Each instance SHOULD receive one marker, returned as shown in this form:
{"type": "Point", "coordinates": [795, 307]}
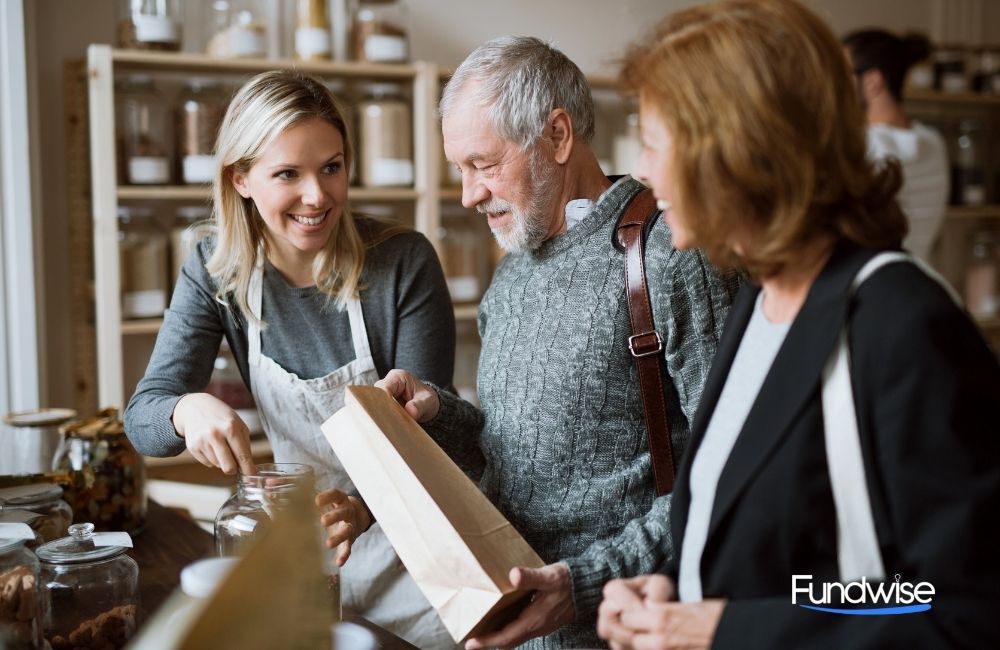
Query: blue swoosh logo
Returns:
{"type": "Point", "coordinates": [877, 611]}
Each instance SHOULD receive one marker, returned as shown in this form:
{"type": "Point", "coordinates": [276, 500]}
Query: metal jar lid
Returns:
{"type": "Point", "coordinates": [78, 548]}
{"type": "Point", "coordinates": [49, 417]}
{"type": "Point", "coordinates": [20, 496]}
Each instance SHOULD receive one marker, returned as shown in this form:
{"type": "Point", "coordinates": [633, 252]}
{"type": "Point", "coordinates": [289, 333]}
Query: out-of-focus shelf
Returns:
{"type": "Point", "coordinates": [174, 62]}
{"type": "Point", "coordinates": [204, 193]}
{"type": "Point", "coordinates": [466, 311]}
{"type": "Point", "coordinates": [968, 99]}
{"type": "Point", "coordinates": [141, 326]}
{"type": "Point", "coordinates": [451, 193]}
{"type": "Point", "coordinates": [974, 212]}
{"type": "Point", "coordinates": [989, 325]}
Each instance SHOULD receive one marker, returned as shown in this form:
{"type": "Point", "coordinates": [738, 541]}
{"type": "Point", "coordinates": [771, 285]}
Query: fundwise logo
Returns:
{"type": "Point", "coordinates": [873, 598]}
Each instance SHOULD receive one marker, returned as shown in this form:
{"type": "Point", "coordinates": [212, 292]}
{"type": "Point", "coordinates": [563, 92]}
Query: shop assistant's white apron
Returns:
{"type": "Point", "coordinates": [374, 583]}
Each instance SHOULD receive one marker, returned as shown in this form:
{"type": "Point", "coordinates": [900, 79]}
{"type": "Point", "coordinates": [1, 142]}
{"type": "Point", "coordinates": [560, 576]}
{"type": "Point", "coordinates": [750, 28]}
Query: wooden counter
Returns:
{"type": "Point", "coordinates": [171, 541]}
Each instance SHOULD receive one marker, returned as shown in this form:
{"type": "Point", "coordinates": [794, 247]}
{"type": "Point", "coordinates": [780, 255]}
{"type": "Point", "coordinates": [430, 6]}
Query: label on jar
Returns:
{"type": "Point", "coordinates": [17, 516]}
{"type": "Point", "coordinates": [391, 171]}
{"type": "Point", "coordinates": [144, 304]}
{"type": "Point", "coordinates": [463, 287]}
{"type": "Point", "coordinates": [954, 82]}
{"type": "Point", "coordinates": [312, 42]}
{"type": "Point", "coordinates": [112, 539]}
{"type": "Point", "coordinates": [241, 524]}
{"type": "Point", "coordinates": [155, 29]}
{"type": "Point", "coordinates": [148, 169]}
{"type": "Point", "coordinates": [16, 531]}
{"type": "Point", "coordinates": [247, 43]}
{"type": "Point", "coordinates": [381, 47]}
{"type": "Point", "coordinates": [199, 168]}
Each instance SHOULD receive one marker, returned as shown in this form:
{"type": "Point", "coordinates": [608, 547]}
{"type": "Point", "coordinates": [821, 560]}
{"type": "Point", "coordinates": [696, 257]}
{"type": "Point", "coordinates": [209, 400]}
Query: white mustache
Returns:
{"type": "Point", "coordinates": [494, 206]}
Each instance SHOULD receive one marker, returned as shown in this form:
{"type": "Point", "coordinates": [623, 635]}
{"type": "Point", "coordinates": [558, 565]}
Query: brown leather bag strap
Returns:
{"type": "Point", "coordinates": [646, 344]}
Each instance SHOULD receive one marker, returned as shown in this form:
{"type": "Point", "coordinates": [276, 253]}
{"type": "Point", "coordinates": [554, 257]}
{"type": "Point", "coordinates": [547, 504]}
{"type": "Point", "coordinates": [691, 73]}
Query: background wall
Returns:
{"type": "Point", "coordinates": [594, 33]}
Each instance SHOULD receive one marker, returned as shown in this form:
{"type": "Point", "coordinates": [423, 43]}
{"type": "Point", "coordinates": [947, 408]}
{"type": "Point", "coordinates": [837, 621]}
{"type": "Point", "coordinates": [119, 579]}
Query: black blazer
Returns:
{"type": "Point", "coordinates": [927, 394]}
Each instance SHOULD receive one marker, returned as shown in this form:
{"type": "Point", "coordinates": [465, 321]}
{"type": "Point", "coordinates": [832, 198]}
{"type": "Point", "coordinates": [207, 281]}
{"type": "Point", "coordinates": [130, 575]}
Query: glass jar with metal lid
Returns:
{"type": "Point", "coordinates": [90, 589]}
{"type": "Point", "coordinates": [40, 505]}
{"type": "Point", "coordinates": [20, 597]}
{"type": "Point", "coordinates": [32, 444]}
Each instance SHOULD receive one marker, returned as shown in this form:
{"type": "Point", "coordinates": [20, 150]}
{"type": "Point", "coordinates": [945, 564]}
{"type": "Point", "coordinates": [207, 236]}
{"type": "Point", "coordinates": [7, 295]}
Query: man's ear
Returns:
{"type": "Point", "coordinates": [239, 181]}
{"type": "Point", "coordinates": [872, 83]}
{"type": "Point", "coordinates": [559, 131]}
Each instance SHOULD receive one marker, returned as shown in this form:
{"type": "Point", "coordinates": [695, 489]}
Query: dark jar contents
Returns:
{"type": "Point", "coordinates": [20, 598]}
{"type": "Point", "coordinates": [107, 475]}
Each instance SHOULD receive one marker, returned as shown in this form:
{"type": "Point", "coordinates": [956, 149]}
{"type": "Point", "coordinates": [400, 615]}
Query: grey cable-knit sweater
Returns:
{"type": "Point", "coordinates": [560, 444]}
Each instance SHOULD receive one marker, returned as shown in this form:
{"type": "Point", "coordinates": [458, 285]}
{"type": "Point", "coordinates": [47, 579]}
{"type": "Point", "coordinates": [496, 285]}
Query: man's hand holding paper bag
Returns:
{"type": "Point", "coordinates": [474, 568]}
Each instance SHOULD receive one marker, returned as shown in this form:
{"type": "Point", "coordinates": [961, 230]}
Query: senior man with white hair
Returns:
{"type": "Point", "coordinates": [560, 443]}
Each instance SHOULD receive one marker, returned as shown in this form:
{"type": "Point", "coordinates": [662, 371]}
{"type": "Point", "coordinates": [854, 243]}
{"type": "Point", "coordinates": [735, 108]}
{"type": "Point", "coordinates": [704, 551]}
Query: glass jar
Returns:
{"type": "Point", "coordinates": [21, 609]}
{"type": "Point", "coordinates": [31, 440]}
{"type": "Point", "coordinates": [949, 70]}
{"type": "Point", "coordinates": [40, 505]}
{"type": "Point", "coordinates": [386, 143]}
{"type": "Point", "coordinates": [108, 476]}
{"type": "Point", "coordinates": [968, 174]}
{"type": "Point", "coordinates": [239, 29]}
{"type": "Point", "coordinates": [184, 236]}
{"type": "Point", "coordinates": [142, 251]}
{"type": "Point", "coordinates": [90, 590]}
{"type": "Point", "coordinates": [144, 126]}
{"type": "Point", "coordinates": [149, 25]}
{"type": "Point", "coordinates": [379, 33]}
{"type": "Point", "coordinates": [312, 31]}
{"type": "Point", "coordinates": [982, 294]}
{"type": "Point", "coordinates": [200, 109]}
{"type": "Point", "coordinates": [987, 77]}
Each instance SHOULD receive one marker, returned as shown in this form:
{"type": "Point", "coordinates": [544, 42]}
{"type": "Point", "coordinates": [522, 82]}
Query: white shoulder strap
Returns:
{"type": "Point", "coordinates": [858, 552]}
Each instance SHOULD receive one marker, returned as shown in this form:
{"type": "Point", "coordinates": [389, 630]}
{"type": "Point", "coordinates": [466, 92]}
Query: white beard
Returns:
{"type": "Point", "coordinates": [530, 225]}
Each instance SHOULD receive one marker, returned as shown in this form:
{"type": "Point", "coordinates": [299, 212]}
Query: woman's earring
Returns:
{"type": "Point", "coordinates": [663, 205]}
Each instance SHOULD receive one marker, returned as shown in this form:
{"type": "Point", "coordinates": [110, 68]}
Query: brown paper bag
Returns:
{"type": "Point", "coordinates": [453, 541]}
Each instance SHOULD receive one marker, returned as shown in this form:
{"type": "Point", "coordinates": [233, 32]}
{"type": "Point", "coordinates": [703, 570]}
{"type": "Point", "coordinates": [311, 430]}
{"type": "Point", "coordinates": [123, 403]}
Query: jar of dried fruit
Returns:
{"type": "Point", "coordinates": [90, 589]}
{"type": "Point", "coordinates": [20, 597]}
{"type": "Point", "coordinates": [108, 477]}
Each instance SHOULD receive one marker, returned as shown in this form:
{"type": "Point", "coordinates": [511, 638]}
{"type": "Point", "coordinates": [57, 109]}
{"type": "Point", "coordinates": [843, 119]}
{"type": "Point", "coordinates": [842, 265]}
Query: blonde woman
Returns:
{"type": "Point", "coordinates": [831, 367]}
{"type": "Point", "coordinates": [310, 299]}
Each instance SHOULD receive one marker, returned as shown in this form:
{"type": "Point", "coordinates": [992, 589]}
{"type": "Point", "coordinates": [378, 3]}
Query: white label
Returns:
{"type": "Point", "coordinates": [312, 41]}
{"type": "Point", "coordinates": [16, 516]}
{"type": "Point", "coordinates": [16, 531]}
{"type": "Point", "coordinates": [199, 169]}
{"type": "Point", "coordinates": [954, 82]}
{"type": "Point", "coordinates": [463, 287]}
{"type": "Point", "coordinates": [144, 304]}
{"type": "Point", "coordinates": [112, 539]}
{"type": "Point", "coordinates": [247, 43]}
{"type": "Point", "coordinates": [155, 29]}
{"type": "Point", "coordinates": [148, 169]}
{"type": "Point", "coordinates": [973, 195]}
{"type": "Point", "coordinates": [391, 171]}
{"type": "Point", "coordinates": [241, 524]}
{"type": "Point", "coordinates": [379, 47]}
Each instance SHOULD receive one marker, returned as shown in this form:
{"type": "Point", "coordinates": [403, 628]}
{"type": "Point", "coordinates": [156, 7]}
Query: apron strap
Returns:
{"type": "Point", "coordinates": [359, 333]}
{"type": "Point", "coordinates": [254, 300]}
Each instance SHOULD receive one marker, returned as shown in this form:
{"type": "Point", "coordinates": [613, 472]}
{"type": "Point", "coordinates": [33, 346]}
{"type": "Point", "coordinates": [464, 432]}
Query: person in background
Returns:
{"type": "Point", "coordinates": [309, 299]}
{"type": "Point", "coordinates": [775, 178]}
{"type": "Point", "coordinates": [560, 445]}
{"type": "Point", "coordinates": [881, 61]}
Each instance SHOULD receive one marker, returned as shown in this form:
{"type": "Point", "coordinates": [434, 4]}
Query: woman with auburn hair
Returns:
{"type": "Point", "coordinates": [849, 429]}
{"type": "Point", "coordinates": [309, 299]}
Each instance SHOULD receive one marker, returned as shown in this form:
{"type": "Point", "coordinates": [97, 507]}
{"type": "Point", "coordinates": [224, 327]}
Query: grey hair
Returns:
{"type": "Point", "coordinates": [521, 80]}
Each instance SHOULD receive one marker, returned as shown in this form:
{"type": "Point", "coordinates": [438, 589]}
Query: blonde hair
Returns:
{"type": "Point", "coordinates": [263, 108]}
{"type": "Point", "coordinates": [768, 132]}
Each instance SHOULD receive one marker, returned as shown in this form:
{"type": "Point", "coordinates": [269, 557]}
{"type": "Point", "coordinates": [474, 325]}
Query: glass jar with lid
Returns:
{"type": "Point", "coordinates": [90, 589]}
{"type": "Point", "coordinates": [40, 505]}
{"type": "Point", "coordinates": [144, 127]}
{"type": "Point", "coordinates": [968, 172]}
{"type": "Point", "coordinates": [950, 70]}
{"type": "Point", "coordinates": [312, 31]}
{"type": "Point", "coordinates": [21, 608]}
{"type": "Point", "coordinates": [184, 236]}
{"type": "Point", "coordinates": [982, 290]}
{"type": "Point", "coordinates": [107, 475]}
{"type": "Point", "coordinates": [200, 109]}
{"type": "Point", "coordinates": [380, 31]}
{"type": "Point", "coordinates": [239, 29]}
{"type": "Point", "coordinates": [149, 25]}
{"type": "Point", "coordinates": [32, 442]}
{"type": "Point", "coordinates": [144, 271]}
{"type": "Point", "coordinates": [385, 134]}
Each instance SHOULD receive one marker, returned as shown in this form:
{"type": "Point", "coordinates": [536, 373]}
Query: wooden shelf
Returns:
{"type": "Point", "coordinates": [204, 193]}
{"type": "Point", "coordinates": [964, 212]}
{"type": "Point", "coordinates": [968, 99]}
{"type": "Point", "coordinates": [178, 62]}
{"type": "Point", "coordinates": [141, 326]}
{"type": "Point", "coordinates": [466, 311]}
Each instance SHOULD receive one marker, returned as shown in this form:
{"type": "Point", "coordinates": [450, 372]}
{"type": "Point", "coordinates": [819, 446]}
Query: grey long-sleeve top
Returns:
{"type": "Point", "coordinates": [404, 298]}
{"type": "Point", "coordinates": [560, 444]}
